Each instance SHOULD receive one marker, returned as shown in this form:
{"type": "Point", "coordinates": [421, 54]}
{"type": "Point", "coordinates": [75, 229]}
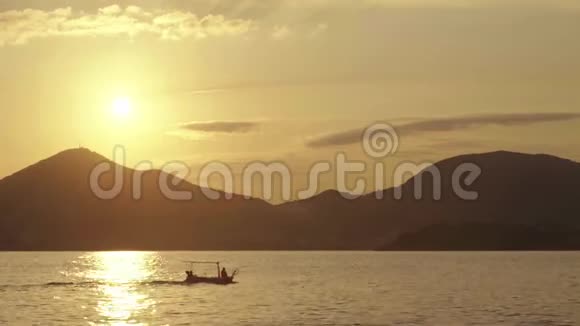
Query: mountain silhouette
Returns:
{"type": "Point", "coordinates": [50, 206]}
{"type": "Point", "coordinates": [540, 191]}
{"type": "Point", "coordinates": [481, 236]}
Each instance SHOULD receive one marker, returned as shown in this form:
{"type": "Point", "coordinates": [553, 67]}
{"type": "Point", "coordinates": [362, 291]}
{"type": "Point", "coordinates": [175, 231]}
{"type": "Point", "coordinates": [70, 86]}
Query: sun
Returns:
{"type": "Point", "coordinates": [122, 107]}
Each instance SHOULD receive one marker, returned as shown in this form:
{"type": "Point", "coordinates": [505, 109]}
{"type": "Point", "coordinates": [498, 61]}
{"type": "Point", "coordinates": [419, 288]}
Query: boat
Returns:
{"type": "Point", "coordinates": [222, 277]}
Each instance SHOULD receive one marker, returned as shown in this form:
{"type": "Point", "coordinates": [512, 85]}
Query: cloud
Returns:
{"type": "Point", "coordinates": [281, 32]}
{"type": "Point", "coordinates": [111, 10]}
{"type": "Point", "coordinates": [21, 26]}
{"type": "Point", "coordinates": [319, 29]}
{"type": "Point", "coordinates": [229, 127]}
{"type": "Point", "coordinates": [445, 125]}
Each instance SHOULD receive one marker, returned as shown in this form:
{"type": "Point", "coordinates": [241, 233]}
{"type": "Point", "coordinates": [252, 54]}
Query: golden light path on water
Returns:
{"type": "Point", "coordinates": [119, 275]}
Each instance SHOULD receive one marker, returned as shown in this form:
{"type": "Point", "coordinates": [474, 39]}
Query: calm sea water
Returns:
{"type": "Point", "coordinates": [292, 288]}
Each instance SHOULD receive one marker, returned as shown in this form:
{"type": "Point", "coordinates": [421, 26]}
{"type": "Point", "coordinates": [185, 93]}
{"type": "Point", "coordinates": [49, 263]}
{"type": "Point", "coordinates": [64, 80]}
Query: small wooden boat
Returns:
{"type": "Point", "coordinates": [211, 280]}
{"type": "Point", "coordinates": [222, 277]}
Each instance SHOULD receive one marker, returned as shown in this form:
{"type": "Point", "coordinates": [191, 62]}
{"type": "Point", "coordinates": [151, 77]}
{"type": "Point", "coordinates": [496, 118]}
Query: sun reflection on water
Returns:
{"type": "Point", "coordinates": [121, 277]}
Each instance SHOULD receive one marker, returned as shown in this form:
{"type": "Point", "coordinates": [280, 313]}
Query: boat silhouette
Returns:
{"type": "Point", "coordinates": [222, 277]}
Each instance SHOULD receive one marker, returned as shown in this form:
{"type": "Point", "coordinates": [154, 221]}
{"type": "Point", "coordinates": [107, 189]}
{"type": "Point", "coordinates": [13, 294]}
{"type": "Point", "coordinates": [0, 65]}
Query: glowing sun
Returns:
{"type": "Point", "coordinates": [122, 107]}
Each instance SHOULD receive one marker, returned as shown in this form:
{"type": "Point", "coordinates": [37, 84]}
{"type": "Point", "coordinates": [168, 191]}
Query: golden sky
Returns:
{"type": "Point", "coordinates": [287, 80]}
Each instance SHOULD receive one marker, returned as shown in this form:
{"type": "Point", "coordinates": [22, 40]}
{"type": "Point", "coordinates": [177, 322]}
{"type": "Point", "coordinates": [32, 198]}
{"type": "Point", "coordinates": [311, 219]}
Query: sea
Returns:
{"type": "Point", "coordinates": [291, 288]}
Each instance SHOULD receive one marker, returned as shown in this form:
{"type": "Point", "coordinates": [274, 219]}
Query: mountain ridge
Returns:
{"type": "Point", "coordinates": [48, 206]}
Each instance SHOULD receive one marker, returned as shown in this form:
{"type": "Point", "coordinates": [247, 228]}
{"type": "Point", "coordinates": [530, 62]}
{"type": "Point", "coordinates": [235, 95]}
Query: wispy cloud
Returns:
{"type": "Point", "coordinates": [229, 127]}
{"type": "Point", "coordinates": [445, 125]}
{"type": "Point", "coordinates": [281, 32]}
{"type": "Point", "coordinates": [268, 84]}
{"type": "Point", "coordinates": [21, 26]}
{"type": "Point", "coordinates": [319, 29]}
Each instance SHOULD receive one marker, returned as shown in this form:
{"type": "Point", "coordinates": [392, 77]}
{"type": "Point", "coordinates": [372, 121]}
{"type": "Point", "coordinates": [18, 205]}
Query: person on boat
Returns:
{"type": "Point", "coordinates": [224, 273]}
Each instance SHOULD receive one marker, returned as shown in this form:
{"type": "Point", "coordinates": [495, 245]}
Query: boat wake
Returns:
{"type": "Point", "coordinates": [91, 284]}
{"type": "Point", "coordinates": [96, 283]}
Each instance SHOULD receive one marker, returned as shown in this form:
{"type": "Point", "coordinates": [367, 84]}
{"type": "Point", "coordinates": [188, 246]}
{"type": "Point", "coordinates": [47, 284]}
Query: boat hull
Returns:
{"type": "Point", "coordinates": [209, 280]}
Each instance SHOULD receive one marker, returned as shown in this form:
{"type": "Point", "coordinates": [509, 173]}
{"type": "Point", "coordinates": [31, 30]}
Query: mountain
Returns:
{"type": "Point", "coordinates": [481, 236]}
{"type": "Point", "coordinates": [50, 206]}
{"type": "Point", "coordinates": [540, 191]}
